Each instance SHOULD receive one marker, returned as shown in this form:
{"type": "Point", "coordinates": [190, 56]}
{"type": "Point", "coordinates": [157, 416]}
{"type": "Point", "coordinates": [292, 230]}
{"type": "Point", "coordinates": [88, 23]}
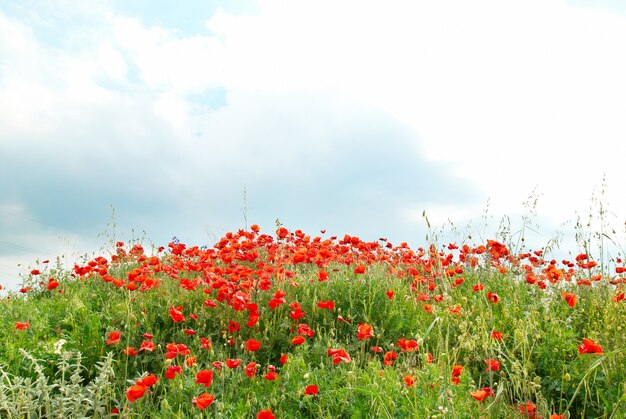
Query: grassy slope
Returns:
{"type": "Point", "coordinates": [539, 357]}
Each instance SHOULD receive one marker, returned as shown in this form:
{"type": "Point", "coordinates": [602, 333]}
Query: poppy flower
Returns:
{"type": "Point", "coordinates": [206, 343]}
{"type": "Point", "coordinates": [390, 294]}
{"type": "Point", "coordinates": [177, 314]}
{"type": "Point", "coordinates": [172, 370]}
{"type": "Point", "coordinates": [304, 329]}
{"type": "Point", "coordinates": [147, 345]}
{"type": "Point", "coordinates": [409, 380]}
{"type": "Point", "coordinates": [114, 337]}
{"type": "Point", "coordinates": [204, 377]}
{"type": "Point", "coordinates": [457, 370]}
{"type": "Point", "coordinates": [493, 297]}
{"type": "Point", "coordinates": [589, 347]}
{"type": "Point", "coordinates": [492, 365]}
{"type": "Point", "coordinates": [252, 345]}
{"type": "Point", "coordinates": [251, 369]}
{"type": "Point", "coordinates": [482, 394]}
{"type": "Point", "coordinates": [528, 409]}
{"type": "Point", "coordinates": [496, 335]}
{"type": "Point", "coordinates": [390, 357]}
{"type": "Point", "coordinates": [52, 284]}
{"type": "Point", "coordinates": [130, 351]}
{"type": "Point", "coordinates": [322, 276]}
{"type": "Point", "coordinates": [147, 381]}
{"type": "Point", "coordinates": [478, 287]}
{"type": "Point", "coordinates": [359, 270]}
{"type": "Point", "coordinates": [233, 363]}
{"type": "Point", "coordinates": [298, 340]}
{"type": "Point", "coordinates": [271, 375]}
{"type": "Point", "coordinates": [408, 345]}
{"type": "Point", "coordinates": [135, 392]}
{"type": "Point", "coordinates": [22, 325]}
{"type": "Point", "coordinates": [203, 401]}
{"type": "Point", "coordinates": [284, 358]}
{"type": "Point", "coordinates": [311, 390]}
{"type": "Point", "coordinates": [339, 355]}
{"type": "Point", "coordinates": [233, 327]}
{"type": "Point", "coordinates": [570, 298]}
{"type": "Point", "coordinates": [329, 305]}
{"type": "Point", "coordinates": [364, 331]}
{"type": "Point", "coordinates": [265, 414]}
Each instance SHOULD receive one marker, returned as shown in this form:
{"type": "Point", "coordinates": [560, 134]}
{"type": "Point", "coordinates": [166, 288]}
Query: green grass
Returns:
{"type": "Point", "coordinates": [61, 366]}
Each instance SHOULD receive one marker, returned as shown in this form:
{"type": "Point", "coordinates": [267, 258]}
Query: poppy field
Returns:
{"type": "Point", "coordinates": [286, 325]}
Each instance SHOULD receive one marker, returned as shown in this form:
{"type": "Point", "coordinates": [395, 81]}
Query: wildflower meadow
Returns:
{"type": "Point", "coordinates": [292, 325]}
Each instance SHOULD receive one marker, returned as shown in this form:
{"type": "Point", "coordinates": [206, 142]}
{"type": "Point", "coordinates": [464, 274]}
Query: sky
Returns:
{"type": "Point", "coordinates": [147, 120]}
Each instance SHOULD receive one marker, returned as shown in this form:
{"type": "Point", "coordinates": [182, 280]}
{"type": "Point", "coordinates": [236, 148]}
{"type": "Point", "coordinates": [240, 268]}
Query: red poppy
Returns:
{"type": "Point", "coordinates": [390, 357]}
{"type": "Point", "coordinates": [284, 358]}
{"type": "Point", "coordinates": [252, 345]}
{"type": "Point", "coordinates": [172, 370]}
{"type": "Point", "coordinates": [271, 375]}
{"type": "Point", "coordinates": [570, 298]}
{"type": "Point", "coordinates": [233, 363]}
{"type": "Point", "coordinates": [457, 370]}
{"type": "Point", "coordinates": [130, 351]}
{"type": "Point", "coordinates": [409, 380]}
{"type": "Point", "coordinates": [147, 381]}
{"type": "Point", "coordinates": [493, 297]}
{"type": "Point", "coordinates": [492, 365]}
{"type": "Point", "coordinates": [390, 294]}
{"type": "Point", "coordinates": [359, 270]}
{"type": "Point", "coordinates": [364, 331]}
{"type": "Point", "coordinates": [339, 355]}
{"type": "Point", "coordinates": [322, 276]}
{"type": "Point", "coordinates": [114, 337]}
{"type": "Point", "coordinates": [528, 409]}
{"type": "Point", "coordinates": [22, 325]}
{"type": "Point", "coordinates": [52, 284]}
{"type": "Point", "coordinates": [177, 314]}
{"type": "Point", "coordinates": [478, 287]}
{"type": "Point", "coordinates": [251, 369]}
{"type": "Point", "coordinates": [496, 335]}
{"type": "Point", "coordinates": [298, 340]}
{"type": "Point", "coordinates": [265, 414]}
{"type": "Point", "coordinates": [147, 345]}
{"type": "Point", "coordinates": [205, 343]}
{"type": "Point", "coordinates": [408, 345]}
{"type": "Point", "coordinates": [482, 394]}
{"type": "Point", "coordinates": [135, 392]}
{"type": "Point", "coordinates": [311, 390]}
{"type": "Point", "coordinates": [589, 347]}
{"type": "Point", "coordinates": [203, 401]}
{"type": "Point", "coordinates": [233, 327]}
{"type": "Point", "coordinates": [204, 377]}
{"type": "Point", "coordinates": [329, 305]}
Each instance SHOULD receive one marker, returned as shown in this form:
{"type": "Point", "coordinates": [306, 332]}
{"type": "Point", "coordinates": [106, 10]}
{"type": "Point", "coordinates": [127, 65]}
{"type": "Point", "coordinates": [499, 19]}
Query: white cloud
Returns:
{"type": "Point", "coordinates": [515, 94]}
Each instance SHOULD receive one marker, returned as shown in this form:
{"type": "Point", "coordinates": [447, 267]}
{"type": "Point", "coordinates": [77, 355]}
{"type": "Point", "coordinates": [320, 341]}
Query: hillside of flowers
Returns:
{"type": "Point", "coordinates": [286, 325]}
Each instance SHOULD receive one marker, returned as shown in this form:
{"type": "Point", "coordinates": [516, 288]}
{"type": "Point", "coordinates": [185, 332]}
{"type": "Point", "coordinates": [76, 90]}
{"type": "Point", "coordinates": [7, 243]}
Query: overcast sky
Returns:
{"type": "Point", "coordinates": [121, 117]}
